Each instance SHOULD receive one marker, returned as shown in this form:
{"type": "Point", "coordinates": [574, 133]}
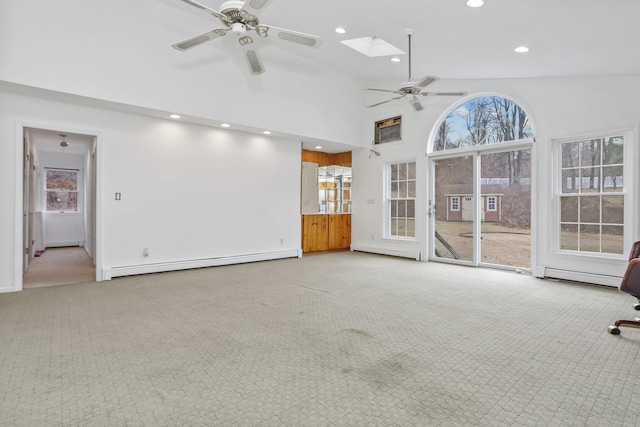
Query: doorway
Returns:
{"type": "Point", "coordinates": [59, 207]}
{"type": "Point", "coordinates": [480, 208]}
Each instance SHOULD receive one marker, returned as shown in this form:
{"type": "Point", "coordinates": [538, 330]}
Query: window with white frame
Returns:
{"type": "Point", "coordinates": [61, 188]}
{"type": "Point", "coordinates": [481, 121]}
{"type": "Point", "coordinates": [402, 199]}
{"type": "Point", "coordinates": [592, 195]}
{"type": "Point", "coordinates": [492, 203]}
{"type": "Point", "coordinates": [455, 203]}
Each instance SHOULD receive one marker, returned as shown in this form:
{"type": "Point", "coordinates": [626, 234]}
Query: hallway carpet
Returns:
{"type": "Point", "coordinates": [60, 266]}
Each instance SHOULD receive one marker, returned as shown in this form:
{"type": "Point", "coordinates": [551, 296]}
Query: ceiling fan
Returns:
{"type": "Point", "coordinates": [240, 18]}
{"type": "Point", "coordinates": [410, 88]}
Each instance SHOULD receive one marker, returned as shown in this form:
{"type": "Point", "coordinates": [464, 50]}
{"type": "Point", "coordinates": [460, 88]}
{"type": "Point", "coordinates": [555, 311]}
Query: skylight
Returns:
{"type": "Point", "coordinates": [372, 46]}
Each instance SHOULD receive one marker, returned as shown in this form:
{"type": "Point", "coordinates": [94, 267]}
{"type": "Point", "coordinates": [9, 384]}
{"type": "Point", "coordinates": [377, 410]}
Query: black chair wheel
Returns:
{"type": "Point", "coordinates": [613, 330]}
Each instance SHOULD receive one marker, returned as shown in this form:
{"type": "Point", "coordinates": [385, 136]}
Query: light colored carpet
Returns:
{"type": "Point", "coordinates": [60, 266]}
{"type": "Point", "coordinates": [334, 339]}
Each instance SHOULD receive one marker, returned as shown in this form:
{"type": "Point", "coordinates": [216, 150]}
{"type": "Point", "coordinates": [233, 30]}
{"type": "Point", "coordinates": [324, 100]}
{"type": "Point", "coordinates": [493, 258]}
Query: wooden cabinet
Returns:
{"type": "Point", "coordinates": [315, 233]}
{"type": "Point", "coordinates": [325, 232]}
{"type": "Point", "coordinates": [339, 231]}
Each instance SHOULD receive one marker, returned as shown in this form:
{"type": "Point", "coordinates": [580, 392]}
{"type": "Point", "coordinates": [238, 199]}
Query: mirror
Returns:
{"type": "Point", "coordinates": [334, 189]}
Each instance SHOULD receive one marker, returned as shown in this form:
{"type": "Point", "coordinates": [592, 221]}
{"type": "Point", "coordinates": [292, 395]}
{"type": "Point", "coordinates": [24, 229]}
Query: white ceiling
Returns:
{"type": "Point", "coordinates": [47, 140]}
{"type": "Point", "coordinates": [453, 41]}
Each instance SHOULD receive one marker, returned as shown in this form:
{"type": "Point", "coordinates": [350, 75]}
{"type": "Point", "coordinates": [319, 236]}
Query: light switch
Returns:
{"type": "Point", "coordinates": [117, 196]}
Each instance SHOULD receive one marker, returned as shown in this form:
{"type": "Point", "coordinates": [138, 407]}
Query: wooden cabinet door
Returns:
{"type": "Point", "coordinates": [315, 233]}
{"type": "Point", "coordinates": [339, 231]}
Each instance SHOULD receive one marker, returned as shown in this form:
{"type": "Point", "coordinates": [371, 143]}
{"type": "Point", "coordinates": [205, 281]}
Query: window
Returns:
{"type": "Point", "coordinates": [455, 203]}
{"type": "Point", "coordinates": [483, 121]}
{"type": "Point", "coordinates": [388, 130]}
{"type": "Point", "coordinates": [592, 197]}
{"type": "Point", "coordinates": [61, 190]}
{"type": "Point", "coordinates": [491, 203]}
{"type": "Point", "coordinates": [402, 199]}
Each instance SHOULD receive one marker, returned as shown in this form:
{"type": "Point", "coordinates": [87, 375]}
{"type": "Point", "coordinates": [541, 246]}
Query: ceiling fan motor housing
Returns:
{"type": "Point", "coordinates": [409, 88]}
{"type": "Point", "coordinates": [238, 28]}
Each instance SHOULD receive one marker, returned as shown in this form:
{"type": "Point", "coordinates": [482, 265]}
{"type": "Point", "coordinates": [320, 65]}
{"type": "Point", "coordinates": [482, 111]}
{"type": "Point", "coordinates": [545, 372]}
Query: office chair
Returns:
{"type": "Point", "coordinates": [635, 251]}
{"type": "Point", "coordinates": [630, 284]}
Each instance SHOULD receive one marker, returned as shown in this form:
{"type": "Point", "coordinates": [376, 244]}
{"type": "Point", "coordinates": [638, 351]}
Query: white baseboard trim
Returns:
{"type": "Point", "coordinates": [110, 272]}
{"type": "Point", "coordinates": [417, 255]}
{"type": "Point", "coordinates": [6, 289]}
{"type": "Point", "coordinates": [64, 244]}
{"type": "Point", "coordinates": [577, 276]}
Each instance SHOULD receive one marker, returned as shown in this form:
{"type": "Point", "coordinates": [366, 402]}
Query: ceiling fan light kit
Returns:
{"type": "Point", "coordinates": [241, 19]}
{"type": "Point", "coordinates": [411, 89]}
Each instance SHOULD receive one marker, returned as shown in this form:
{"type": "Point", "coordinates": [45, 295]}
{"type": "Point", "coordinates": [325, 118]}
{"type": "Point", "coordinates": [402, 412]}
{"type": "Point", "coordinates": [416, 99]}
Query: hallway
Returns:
{"type": "Point", "coordinates": [60, 266]}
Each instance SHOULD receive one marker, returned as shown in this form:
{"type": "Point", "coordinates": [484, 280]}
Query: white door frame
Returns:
{"type": "Point", "coordinates": [20, 127]}
{"type": "Point", "coordinates": [476, 153]}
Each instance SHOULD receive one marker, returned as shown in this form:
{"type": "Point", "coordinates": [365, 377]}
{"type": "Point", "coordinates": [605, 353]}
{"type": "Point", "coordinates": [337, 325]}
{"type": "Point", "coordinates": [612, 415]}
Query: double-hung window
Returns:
{"type": "Point", "coordinates": [61, 190]}
{"type": "Point", "coordinates": [591, 195]}
{"type": "Point", "coordinates": [401, 199]}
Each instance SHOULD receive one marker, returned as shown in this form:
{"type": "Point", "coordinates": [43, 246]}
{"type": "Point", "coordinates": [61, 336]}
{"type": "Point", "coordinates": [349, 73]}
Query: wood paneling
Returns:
{"type": "Point", "coordinates": [327, 159]}
{"type": "Point", "coordinates": [342, 159]}
{"type": "Point", "coordinates": [325, 232]}
{"type": "Point", "coordinates": [339, 231]}
{"type": "Point", "coordinates": [315, 233]}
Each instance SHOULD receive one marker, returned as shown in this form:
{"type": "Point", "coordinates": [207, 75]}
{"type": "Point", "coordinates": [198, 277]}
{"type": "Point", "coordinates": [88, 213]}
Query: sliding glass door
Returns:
{"type": "Point", "coordinates": [480, 209]}
{"type": "Point", "coordinates": [451, 208]}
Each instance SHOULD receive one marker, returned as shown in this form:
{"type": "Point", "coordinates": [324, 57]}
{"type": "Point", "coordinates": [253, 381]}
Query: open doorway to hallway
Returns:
{"type": "Point", "coordinates": [60, 266]}
{"type": "Point", "coordinates": [59, 199]}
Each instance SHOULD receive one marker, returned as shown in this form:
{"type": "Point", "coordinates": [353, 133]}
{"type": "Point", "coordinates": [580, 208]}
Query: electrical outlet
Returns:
{"type": "Point", "coordinates": [281, 241]}
{"type": "Point", "coordinates": [145, 252]}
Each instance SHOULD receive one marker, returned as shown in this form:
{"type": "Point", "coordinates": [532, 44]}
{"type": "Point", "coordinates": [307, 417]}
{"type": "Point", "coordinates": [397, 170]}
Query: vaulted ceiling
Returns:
{"type": "Point", "coordinates": [451, 41]}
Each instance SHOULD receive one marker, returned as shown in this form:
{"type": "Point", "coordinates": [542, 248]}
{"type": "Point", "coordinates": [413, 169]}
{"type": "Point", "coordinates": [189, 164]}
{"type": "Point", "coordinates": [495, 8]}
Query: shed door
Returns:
{"type": "Point", "coordinates": [467, 208]}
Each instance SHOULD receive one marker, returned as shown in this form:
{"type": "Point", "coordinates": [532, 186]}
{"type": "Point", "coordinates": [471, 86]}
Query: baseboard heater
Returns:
{"type": "Point", "coordinates": [131, 270]}
{"type": "Point", "coordinates": [577, 276]}
{"type": "Point", "coordinates": [417, 255]}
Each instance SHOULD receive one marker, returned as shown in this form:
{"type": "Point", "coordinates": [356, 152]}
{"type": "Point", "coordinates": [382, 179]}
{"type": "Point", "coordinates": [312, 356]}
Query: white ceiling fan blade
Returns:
{"type": "Point", "coordinates": [426, 81]}
{"type": "Point", "coordinates": [208, 9]}
{"type": "Point", "coordinates": [254, 7]}
{"type": "Point", "coordinates": [199, 39]}
{"type": "Point", "coordinates": [384, 102]}
{"type": "Point", "coordinates": [253, 60]}
{"type": "Point", "coordinates": [443, 93]}
{"type": "Point", "coordinates": [415, 103]}
{"type": "Point", "coordinates": [384, 90]}
{"type": "Point", "coordinates": [295, 37]}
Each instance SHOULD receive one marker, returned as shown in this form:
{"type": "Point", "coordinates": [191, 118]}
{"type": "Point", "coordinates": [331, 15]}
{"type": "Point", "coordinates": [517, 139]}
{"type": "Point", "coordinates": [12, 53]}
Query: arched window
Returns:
{"type": "Point", "coordinates": [483, 121]}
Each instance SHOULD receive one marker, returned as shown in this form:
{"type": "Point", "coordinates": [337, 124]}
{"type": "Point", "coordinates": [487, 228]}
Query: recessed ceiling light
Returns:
{"type": "Point", "coordinates": [521, 49]}
{"type": "Point", "coordinates": [267, 132]}
{"type": "Point", "coordinates": [318, 147]}
{"type": "Point", "coordinates": [475, 3]}
{"type": "Point", "coordinates": [394, 59]}
{"type": "Point", "coordinates": [225, 125]}
{"type": "Point", "coordinates": [340, 30]}
{"type": "Point", "coordinates": [175, 116]}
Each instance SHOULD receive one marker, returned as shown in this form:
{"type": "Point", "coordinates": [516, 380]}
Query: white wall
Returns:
{"type": "Point", "coordinates": [558, 107]}
{"type": "Point", "coordinates": [188, 192]}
